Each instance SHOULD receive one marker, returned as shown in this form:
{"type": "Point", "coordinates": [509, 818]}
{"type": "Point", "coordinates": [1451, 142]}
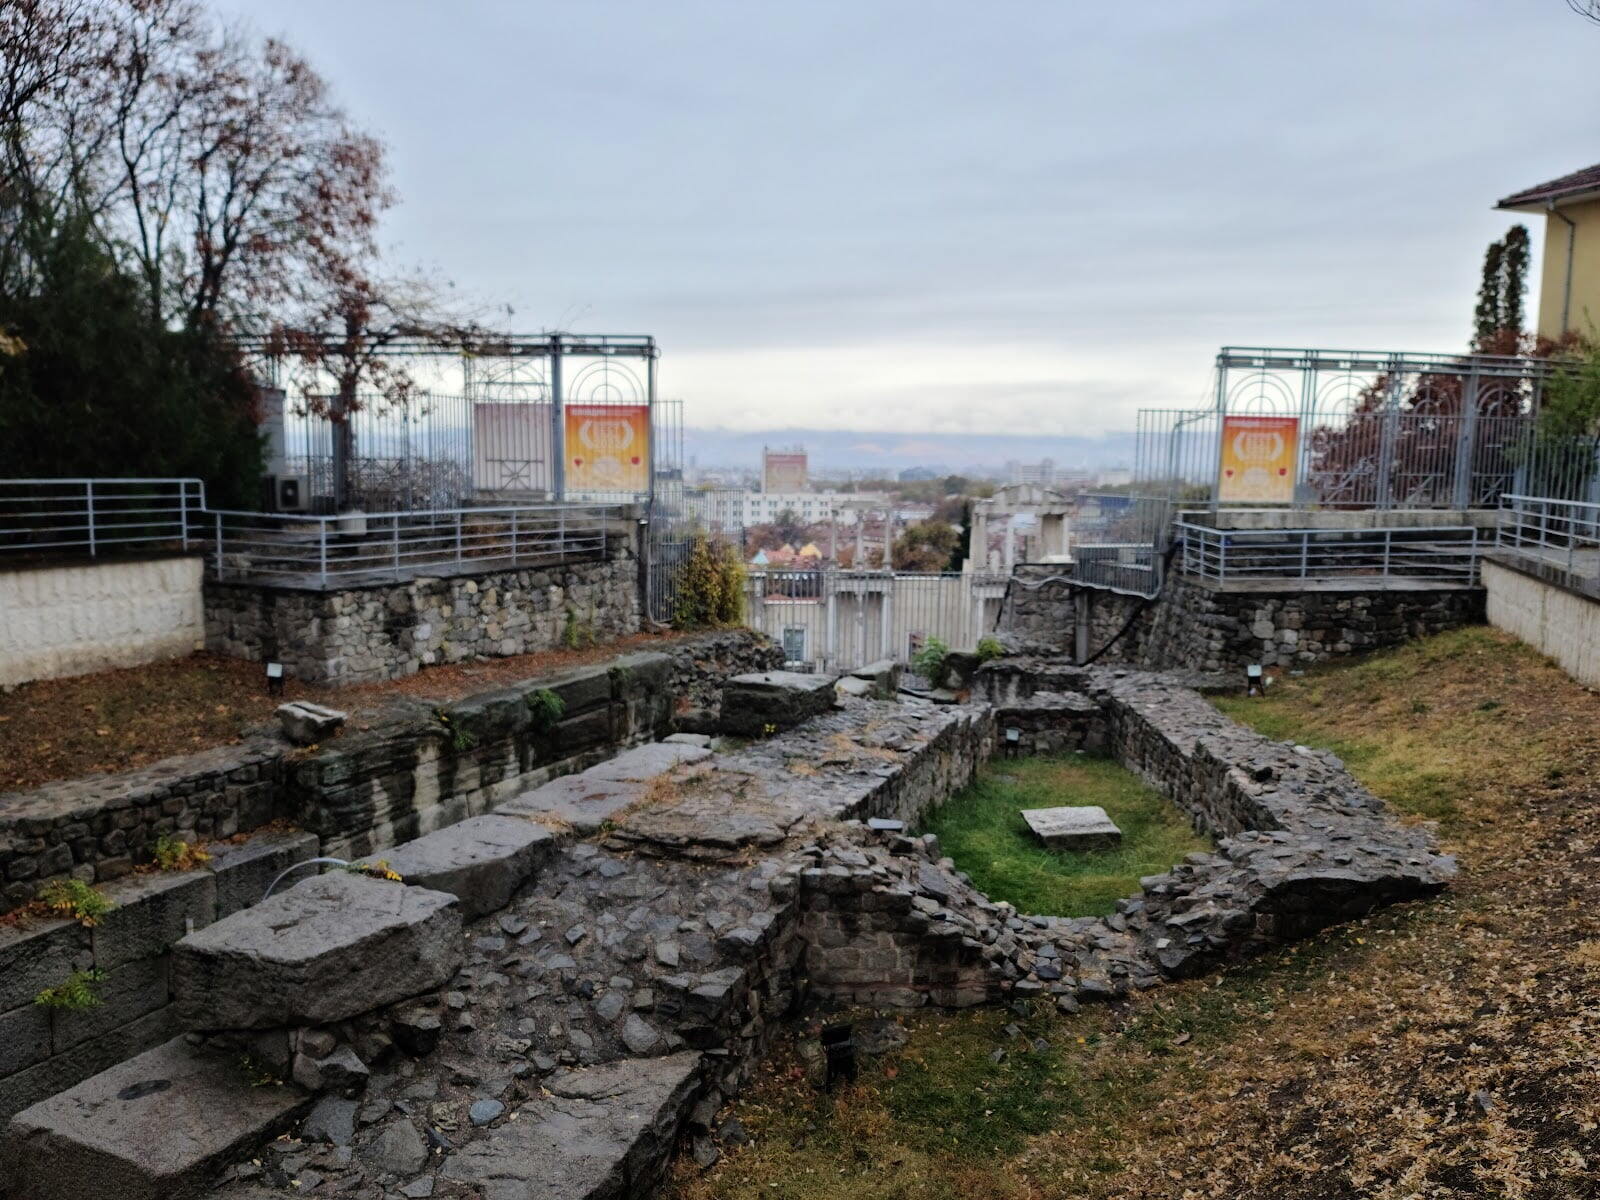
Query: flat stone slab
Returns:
{"type": "Point", "coordinates": [770, 701]}
{"type": "Point", "coordinates": [1085, 827]}
{"type": "Point", "coordinates": [643, 763]}
{"type": "Point", "coordinates": [325, 950]}
{"type": "Point", "coordinates": [574, 802]}
{"type": "Point", "coordinates": [155, 1127]}
{"type": "Point", "coordinates": [481, 861]}
{"type": "Point", "coordinates": [600, 1134]}
{"type": "Point", "coordinates": [305, 723]}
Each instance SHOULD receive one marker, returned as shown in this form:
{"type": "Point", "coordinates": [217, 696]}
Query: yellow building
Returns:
{"type": "Point", "coordinates": [1569, 280]}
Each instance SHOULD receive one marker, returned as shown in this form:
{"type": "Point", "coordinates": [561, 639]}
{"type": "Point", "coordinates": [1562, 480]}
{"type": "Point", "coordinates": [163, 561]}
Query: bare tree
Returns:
{"type": "Point", "coordinates": [1589, 9]}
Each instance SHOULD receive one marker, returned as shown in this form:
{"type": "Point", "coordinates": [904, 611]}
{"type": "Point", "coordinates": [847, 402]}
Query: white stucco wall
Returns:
{"type": "Point", "coordinates": [1555, 621]}
{"type": "Point", "coordinates": [57, 621]}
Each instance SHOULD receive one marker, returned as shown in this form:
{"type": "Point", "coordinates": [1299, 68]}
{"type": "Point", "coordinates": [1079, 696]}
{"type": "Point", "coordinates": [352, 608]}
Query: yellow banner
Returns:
{"type": "Point", "coordinates": [608, 448]}
{"type": "Point", "coordinates": [1258, 459]}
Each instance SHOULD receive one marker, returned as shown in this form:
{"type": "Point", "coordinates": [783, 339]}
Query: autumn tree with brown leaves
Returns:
{"type": "Point", "coordinates": [214, 168]}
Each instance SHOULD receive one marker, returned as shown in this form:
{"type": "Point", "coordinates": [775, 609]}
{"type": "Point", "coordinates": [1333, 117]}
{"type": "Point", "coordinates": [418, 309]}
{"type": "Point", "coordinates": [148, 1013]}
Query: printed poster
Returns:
{"type": "Point", "coordinates": [608, 448]}
{"type": "Point", "coordinates": [1258, 460]}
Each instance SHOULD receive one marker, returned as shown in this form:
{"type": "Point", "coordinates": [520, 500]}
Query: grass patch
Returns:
{"type": "Point", "coordinates": [1448, 729]}
{"type": "Point", "coordinates": [983, 830]}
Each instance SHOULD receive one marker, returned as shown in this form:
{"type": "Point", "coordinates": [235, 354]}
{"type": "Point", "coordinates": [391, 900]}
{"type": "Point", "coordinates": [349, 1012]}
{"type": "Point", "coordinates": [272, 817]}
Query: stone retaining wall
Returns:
{"type": "Point", "coordinates": [1191, 626]}
{"type": "Point", "coordinates": [389, 630]}
{"type": "Point", "coordinates": [415, 767]}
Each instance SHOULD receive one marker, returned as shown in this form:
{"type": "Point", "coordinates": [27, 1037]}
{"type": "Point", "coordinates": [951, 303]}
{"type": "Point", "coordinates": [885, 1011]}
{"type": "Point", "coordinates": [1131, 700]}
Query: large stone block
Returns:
{"type": "Point", "coordinates": [481, 861]}
{"type": "Point", "coordinates": [324, 950]}
{"type": "Point", "coordinates": [769, 701]}
{"type": "Point", "coordinates": [574, 801]}
{"type": "Point", "coordinates": [153, 1128]}
{"type": "Point", "coordinates": [643, 763]}
{"type": "Point", "coordinates": [600, 1134]}
{"type": "Point", "coordinates": [61, 1071]}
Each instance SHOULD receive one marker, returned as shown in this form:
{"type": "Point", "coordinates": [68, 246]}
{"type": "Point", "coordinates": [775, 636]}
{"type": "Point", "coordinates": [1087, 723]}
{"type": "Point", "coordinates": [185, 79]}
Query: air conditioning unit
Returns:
{"type": "Point", "coordinates": [291, 493]}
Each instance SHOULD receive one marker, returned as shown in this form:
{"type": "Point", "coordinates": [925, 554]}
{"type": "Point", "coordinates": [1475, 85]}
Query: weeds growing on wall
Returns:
{"type": "Point", "coordinates": [545, 707]}
{"type": "Point", "coordinates": [175, 854]}
{"type": "Point", "coordinates": [929, 661]}
{"type": "Point", "coordinates": [76, 899]}
{"type": "Point", "coordinates": [79, 991]}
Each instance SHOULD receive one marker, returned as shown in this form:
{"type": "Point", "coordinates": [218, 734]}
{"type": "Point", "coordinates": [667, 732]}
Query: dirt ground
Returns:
{"type": "Point", "coordinates": [117, 720]}
{"type": "Point", "coordinates": [1444, 1049]}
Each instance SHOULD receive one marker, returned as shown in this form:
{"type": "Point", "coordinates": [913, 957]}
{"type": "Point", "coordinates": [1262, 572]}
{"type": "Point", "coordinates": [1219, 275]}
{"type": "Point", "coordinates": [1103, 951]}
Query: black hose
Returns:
{"type": "Point", "coordinates": [1166, 563]}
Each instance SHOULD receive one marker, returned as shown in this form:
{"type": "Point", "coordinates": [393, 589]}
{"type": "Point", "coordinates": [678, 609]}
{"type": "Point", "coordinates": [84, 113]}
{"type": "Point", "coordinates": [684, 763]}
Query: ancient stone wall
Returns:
{"type": "Point", "coordinates": [407, 774]}
{"type": "Point", "coordinates": [389, 630]}
{"type": "Point", "coordinates": [1194, 627]}
{"type": "Point", "coordinates": [414, 767]}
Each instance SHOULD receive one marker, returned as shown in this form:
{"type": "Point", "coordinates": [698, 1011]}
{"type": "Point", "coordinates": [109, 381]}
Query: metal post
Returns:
{"type": "Point", "coordinates": [322, 550]}
{"type": "Point", "coordinates": [394, 538]}
{"type": "Point", "coordinates": [1387, 538]}
{"type": "Point", "coordinates": [558, 424]}
{"type": "Point", "coordinates": [458, 539]}
{"type": "Point", "coordinates": [1305, 552]}
{"type": "Point", "coordinates": [514, 513]}
{"type": "Point", "coordinates": [88, 500]}
{"type": "Point", "coordinates": [217, 545]}
{"type": "Point", "coordinates": [1391, 420]}
{"type": "Point", "coordinates": [183, 511]}
{"type": "Point", "coordinates": [1466, 441]}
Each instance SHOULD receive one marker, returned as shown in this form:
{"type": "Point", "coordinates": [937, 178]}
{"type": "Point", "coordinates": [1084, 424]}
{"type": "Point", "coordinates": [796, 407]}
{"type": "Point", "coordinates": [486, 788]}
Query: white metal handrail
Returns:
{"type": "Point", "coordinates": [54, 517]}
{"type": "Point", "coordinates": [1550, 529]}
{"type": "Point", "coordinates": [324, 550]}
{"type": "Point", "coordinates": [1442, 553]}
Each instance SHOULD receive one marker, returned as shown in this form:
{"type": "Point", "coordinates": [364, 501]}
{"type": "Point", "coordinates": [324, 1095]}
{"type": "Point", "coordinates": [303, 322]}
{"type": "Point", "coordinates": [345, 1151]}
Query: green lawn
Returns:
{"type": "Point", "coordinates": [982, 829]}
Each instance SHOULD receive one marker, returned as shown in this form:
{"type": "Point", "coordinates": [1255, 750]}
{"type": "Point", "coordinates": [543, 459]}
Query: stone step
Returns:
{"type": "Point", "coordinates": [481, 861]}
{"type": "Point", "coordinates": [155, 1127]}
{"type": "Point", "coordinates": [583, 802]}
{"type": "Point", "coordinates": [325, 950]}
{"type": "Point", "coordinates": [601, 1134]}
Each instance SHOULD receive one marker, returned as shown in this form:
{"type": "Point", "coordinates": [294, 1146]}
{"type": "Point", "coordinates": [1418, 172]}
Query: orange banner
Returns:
{"type": "Point", "coordinates": [1258, 457]}
{"type": "Point", "coordinates": [608, 448]}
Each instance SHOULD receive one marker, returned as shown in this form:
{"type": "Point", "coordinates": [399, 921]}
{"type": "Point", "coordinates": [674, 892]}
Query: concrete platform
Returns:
{"type": "Point", "coordinates": [481, 861]}
{"type": "Point", "coordinates": [325, 950]}
{"type": "Point", "coordinates": [1086, 827]}
{"type": "Point", "coordinates": [153, 1128]}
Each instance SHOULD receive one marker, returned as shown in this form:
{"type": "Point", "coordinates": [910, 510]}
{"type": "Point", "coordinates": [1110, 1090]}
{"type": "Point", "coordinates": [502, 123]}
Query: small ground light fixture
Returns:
{"type": "Point", "coordinates": [1013, 740]}
{"type": "Point", "coordinates": [274, 679]}
{"type": "Point", "coordinates": [1253, 682]}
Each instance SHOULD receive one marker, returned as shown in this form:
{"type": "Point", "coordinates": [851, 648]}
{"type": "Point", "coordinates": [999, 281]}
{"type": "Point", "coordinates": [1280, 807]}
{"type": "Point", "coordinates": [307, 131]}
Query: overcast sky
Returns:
{"type": "Point", "coordinates": [959, 218]}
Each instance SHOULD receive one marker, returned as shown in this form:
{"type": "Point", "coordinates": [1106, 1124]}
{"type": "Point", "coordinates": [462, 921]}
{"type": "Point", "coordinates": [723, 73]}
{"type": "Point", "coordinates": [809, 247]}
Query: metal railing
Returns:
{"type": "Point", "coordinates": [324, 551]}
{"type": "Point", "coordinates": [51, 518]}
{"type": "Point", "coordinates": [1562, 533]}
{"type": "Point", "coordinates": [1447, 554]}
{"type": "Point", "coordinates": [1118, 542]}
{"type": "Point", "coordinates": [840, 620]}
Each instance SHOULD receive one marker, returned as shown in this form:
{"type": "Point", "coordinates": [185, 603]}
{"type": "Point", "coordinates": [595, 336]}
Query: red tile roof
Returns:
{"type": "Point", "coordinates": [1578, 183]}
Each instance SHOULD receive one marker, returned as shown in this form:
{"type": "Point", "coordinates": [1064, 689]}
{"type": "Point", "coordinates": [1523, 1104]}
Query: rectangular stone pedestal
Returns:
{"type": "Point", "coordinates": [1085, 827]}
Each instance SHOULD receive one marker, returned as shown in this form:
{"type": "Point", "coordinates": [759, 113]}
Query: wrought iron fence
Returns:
{"type": "Point", "coordinates": [328, 551]}
{"type": "Point", "coordinates": [67, 517]}
{"type": "Point", "coordinates": [1375, 429]}
{"type": "Point", "coordinates": [1434, 555]}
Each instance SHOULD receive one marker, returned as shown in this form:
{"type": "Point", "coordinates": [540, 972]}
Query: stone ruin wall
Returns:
{"type": "Point", "coordinates": [880, 917]}
{"type": "Point", "coordinates": [362, 793]}
{"type": "Point", "coordinates": [390, 630]}
{"type": "Point", "coordinates": [1191, 627]}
